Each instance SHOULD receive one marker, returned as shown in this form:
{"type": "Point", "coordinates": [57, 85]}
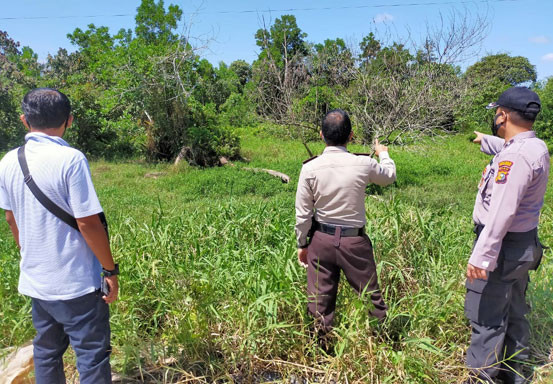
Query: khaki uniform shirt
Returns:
{"type": "Point", "coordinates": [332, 188]}
{"type": "Point", "coordinates": [510, 194]}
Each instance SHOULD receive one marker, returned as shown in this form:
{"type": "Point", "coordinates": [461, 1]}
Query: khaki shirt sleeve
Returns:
{"type": "Point", "coordinates": [383, 174]}
{"type": "Point", "coordinates": [510, 184]}
{"type": "Point", "coordinates": [491, 145]}
{"type": "Point", "coordinates": [304, 209]}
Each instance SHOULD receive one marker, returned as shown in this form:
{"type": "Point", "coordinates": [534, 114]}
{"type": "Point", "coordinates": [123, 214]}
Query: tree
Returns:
{"type": "Point", "coordinates": [397, 98]}
{"type": "Point", "coordinates": [509, 70]}
{"type": "Point", "coordinates": [370, 47]}
{"type": "Point", "coordinates": [283, 37]}
{"type": "Point", "coordinates": [281, 75]}
{"type": "Point", "coordinates": [17, 71]}
{"type": "Point", "coordinates": [154, 24]}
{"type": "Point", "coordinates": [487, 79]}
{"type": "Point", "coordinates": [243, 70]}
{"type": "Point", "coordinates": [332, 64]}
{"type": "Point", "coordinates": [404, 89]}
{"type": "Point", "coordinates": [544, 123]}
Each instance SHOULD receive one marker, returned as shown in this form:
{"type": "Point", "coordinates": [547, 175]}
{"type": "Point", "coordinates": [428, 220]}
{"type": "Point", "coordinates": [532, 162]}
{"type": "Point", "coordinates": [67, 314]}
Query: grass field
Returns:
{"type": "Point", "coordinates": [211, 290]}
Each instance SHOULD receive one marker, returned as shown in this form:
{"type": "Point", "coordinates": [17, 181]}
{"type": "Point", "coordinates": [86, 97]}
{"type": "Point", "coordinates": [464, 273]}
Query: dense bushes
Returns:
{"type": "Point", "coordinates": [544, 123]}
{"type": "Point", "coordinates": [148, 93]}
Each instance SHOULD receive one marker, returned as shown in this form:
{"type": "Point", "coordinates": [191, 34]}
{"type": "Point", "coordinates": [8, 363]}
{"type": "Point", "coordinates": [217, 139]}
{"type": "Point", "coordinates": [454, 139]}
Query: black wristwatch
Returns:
{"type": "Point", "coordinates": [113, 272]}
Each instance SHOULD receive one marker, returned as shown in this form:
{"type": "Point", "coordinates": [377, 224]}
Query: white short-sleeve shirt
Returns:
{"type": "Point", "coordinates": [56, 263]}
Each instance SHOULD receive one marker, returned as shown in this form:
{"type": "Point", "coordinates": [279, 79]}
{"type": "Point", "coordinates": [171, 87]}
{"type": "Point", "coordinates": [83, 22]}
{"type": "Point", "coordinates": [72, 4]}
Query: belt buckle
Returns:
{"type": "Point", "coordinates": [337, 236]}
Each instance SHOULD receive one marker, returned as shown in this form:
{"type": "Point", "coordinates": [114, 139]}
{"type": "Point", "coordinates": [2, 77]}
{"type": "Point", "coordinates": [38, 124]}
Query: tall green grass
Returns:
{"type": "Point", "coordinates": [211, 290]}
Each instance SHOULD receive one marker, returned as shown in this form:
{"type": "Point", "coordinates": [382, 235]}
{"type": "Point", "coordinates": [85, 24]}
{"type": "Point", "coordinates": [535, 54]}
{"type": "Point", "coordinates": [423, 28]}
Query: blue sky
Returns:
{"type": "Point", "coordinates": [517, 27]}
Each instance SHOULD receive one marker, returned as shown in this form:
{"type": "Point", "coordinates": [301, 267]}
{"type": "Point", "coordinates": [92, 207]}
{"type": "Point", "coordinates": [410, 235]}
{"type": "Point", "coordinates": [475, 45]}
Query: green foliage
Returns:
{"type": "Point", "coordinates": [510, 70]}
{"type": "Point", "coordinates": [317, 102]}
{"type": "Point", "coordinates": [11, 130]}
{"type": "Point", "coordinates": [238, 111]}
{"type": "Point", "coordinates": [486, 80]}
{"type": "Point", "coordinates": [243, 70]}
{"type": "Point", "coordinates": [370, 47]}
{"type": "Point", "coordinates": [18, 72]}
{"type": "Point", "coordinates": [332, 64]}
{"type": "Point", "coordinates": [284, 37]}
{"type": "Point", "coordinates": [211, 283]}
{"type": "Point", "coordinates": [154, 24]}
{"type": "Point", "coordinates": [207, 145]}
{"type": "Point", "coordinates": [544, 122]}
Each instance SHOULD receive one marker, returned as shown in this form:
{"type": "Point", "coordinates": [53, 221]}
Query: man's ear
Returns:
{"type": "Point", "coordinates": [321, 134]}
{"type": "Point", "coordinates": [70, 121]}
{"type": "Point", "coordinates": [351, 134]}
{"type": "Point", "coordinates": [24, 121]}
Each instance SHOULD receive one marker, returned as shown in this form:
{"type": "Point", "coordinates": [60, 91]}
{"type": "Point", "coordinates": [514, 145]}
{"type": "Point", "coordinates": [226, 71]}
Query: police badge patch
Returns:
{"type": "Point", "coordinates": [503, 171]}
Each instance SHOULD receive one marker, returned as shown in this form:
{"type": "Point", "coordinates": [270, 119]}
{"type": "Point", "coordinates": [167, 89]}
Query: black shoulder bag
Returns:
{"type": "Point", "coordinates": [52, 207]}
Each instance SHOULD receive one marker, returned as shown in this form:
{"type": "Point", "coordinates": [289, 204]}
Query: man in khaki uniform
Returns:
{"type": "Point", "coordinates": [331, 198]}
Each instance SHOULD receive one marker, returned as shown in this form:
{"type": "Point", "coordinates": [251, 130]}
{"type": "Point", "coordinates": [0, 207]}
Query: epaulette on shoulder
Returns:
{"type": "Point", "coordinates": [308, 160]}
{"type": "Point", "coordinates": [363, 154]}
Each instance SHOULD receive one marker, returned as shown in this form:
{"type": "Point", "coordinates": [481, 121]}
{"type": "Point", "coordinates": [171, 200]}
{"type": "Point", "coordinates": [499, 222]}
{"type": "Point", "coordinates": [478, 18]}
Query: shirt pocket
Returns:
{"type": "Point", "coordinates": [517, 261]}
{"type": "Point", "coordinates": [486, 186]}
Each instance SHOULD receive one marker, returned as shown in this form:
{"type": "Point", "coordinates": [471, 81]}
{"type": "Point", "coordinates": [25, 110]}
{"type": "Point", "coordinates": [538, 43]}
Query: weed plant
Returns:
{"type": "Point", "coordinates": [211, 290]}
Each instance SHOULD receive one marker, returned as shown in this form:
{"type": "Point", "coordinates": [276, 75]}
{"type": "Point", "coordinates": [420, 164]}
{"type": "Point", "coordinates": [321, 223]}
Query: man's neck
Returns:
{"type": "Point", "coordinates": [58, 132]}
{"type": "Point", "coordinates": [515, 130]}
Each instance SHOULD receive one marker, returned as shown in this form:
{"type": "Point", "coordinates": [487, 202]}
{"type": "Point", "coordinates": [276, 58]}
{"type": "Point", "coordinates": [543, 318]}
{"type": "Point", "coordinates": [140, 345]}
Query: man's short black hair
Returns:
{"type": "Point", "coordinates": [336, 127]}
{"type": "Point", "coordinates": [526, 117]}
{"type": "Point", "coordinates": [46, 108]}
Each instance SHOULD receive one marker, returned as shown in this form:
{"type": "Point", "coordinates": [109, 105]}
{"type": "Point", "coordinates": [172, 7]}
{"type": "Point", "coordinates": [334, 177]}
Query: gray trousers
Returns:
{"type": "Point", "coordinates": [496, 309]}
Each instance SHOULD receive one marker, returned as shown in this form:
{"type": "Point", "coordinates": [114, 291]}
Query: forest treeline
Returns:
{"type": "Point", "coordinates": [149, 93]}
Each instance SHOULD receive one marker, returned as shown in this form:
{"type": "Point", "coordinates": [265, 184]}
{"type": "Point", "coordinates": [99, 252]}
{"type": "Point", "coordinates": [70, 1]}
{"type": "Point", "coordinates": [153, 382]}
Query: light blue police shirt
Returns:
{"type": "Point", "coordinates": [56, 263]}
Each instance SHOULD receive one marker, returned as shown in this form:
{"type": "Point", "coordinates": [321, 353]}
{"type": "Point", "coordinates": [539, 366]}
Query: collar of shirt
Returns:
{"type": "Point", "coordinates": [41, 137]}
{"type": "Point", "coordinates": [335, 149]}
{"type": "Point", "coordinates": [521, 136]}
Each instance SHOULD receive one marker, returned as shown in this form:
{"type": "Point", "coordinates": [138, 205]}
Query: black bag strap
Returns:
{"type": "Point", "coordinates": [40, 196]}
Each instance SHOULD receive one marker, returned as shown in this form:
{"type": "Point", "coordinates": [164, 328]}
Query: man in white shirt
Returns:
{"type": "Point", "coordinates": [60, 266]}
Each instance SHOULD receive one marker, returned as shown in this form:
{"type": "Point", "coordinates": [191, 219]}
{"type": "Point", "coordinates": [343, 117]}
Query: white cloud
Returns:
{"type": "Point", "coordinates": [539, 39]}
{"type": "Point", "coordinates": [383, 17]}
{"type": "Point", "coordinates": [548, 57]}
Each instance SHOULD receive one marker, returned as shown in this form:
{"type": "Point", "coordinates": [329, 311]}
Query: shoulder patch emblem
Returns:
{"type": "Point", "coordinates": [503, 171]}
{"type": "Point", "coordinates": [362, 154]}
{"type": "Point", "coordinates": [308, 160]}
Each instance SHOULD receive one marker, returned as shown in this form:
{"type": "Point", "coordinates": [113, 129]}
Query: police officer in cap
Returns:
{"type": "Point", "coordinates": [506, 215]}
{"type": "Point", "coordinates": [330, 201]}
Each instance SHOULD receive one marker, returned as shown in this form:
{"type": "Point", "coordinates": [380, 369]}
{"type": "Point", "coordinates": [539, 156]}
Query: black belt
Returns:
{"type": "Point", "coordinates": [520, 238]}
{"type": "Point", "coordinates": [345, 231]}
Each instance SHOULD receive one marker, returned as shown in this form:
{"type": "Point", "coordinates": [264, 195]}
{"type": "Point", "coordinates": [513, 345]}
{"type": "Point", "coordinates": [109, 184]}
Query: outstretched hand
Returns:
{"type": "Point", "coordinates": [479, 136]}
{"type": "Point", "coordinates": [379, 148]}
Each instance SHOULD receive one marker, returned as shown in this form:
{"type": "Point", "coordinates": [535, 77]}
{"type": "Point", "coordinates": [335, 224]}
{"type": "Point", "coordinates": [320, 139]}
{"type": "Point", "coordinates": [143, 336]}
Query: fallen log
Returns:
{"type": "Point", "coordinates": [16, 366]}
{"type": "Point", "coordinates": [283, 177]}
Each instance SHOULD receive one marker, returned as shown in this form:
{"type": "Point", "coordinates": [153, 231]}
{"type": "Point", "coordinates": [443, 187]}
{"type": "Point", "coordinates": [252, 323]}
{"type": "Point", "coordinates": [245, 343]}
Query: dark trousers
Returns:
{"type": "Point", "coordinates": [496, 309]}
{"type": "Point", "coordinates": [327, 256]}
{"type": "Point", "coordinates": [83, 322]}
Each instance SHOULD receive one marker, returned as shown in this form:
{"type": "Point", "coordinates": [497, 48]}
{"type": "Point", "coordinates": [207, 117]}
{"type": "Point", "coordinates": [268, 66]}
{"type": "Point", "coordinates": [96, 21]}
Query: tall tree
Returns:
{"type": "Point", "coordinates": [509, 70]}
{"type": "Point", "coordinates": [283, 37]}
{"type": "Point", "coordinates": [154, 24]}
{"type": "Point", "coordinates": [487, 79]}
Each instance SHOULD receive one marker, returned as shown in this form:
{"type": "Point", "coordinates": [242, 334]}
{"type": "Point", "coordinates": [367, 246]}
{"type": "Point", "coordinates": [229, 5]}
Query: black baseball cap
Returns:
{"type": "Point", "coordinates": [520, 99]}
